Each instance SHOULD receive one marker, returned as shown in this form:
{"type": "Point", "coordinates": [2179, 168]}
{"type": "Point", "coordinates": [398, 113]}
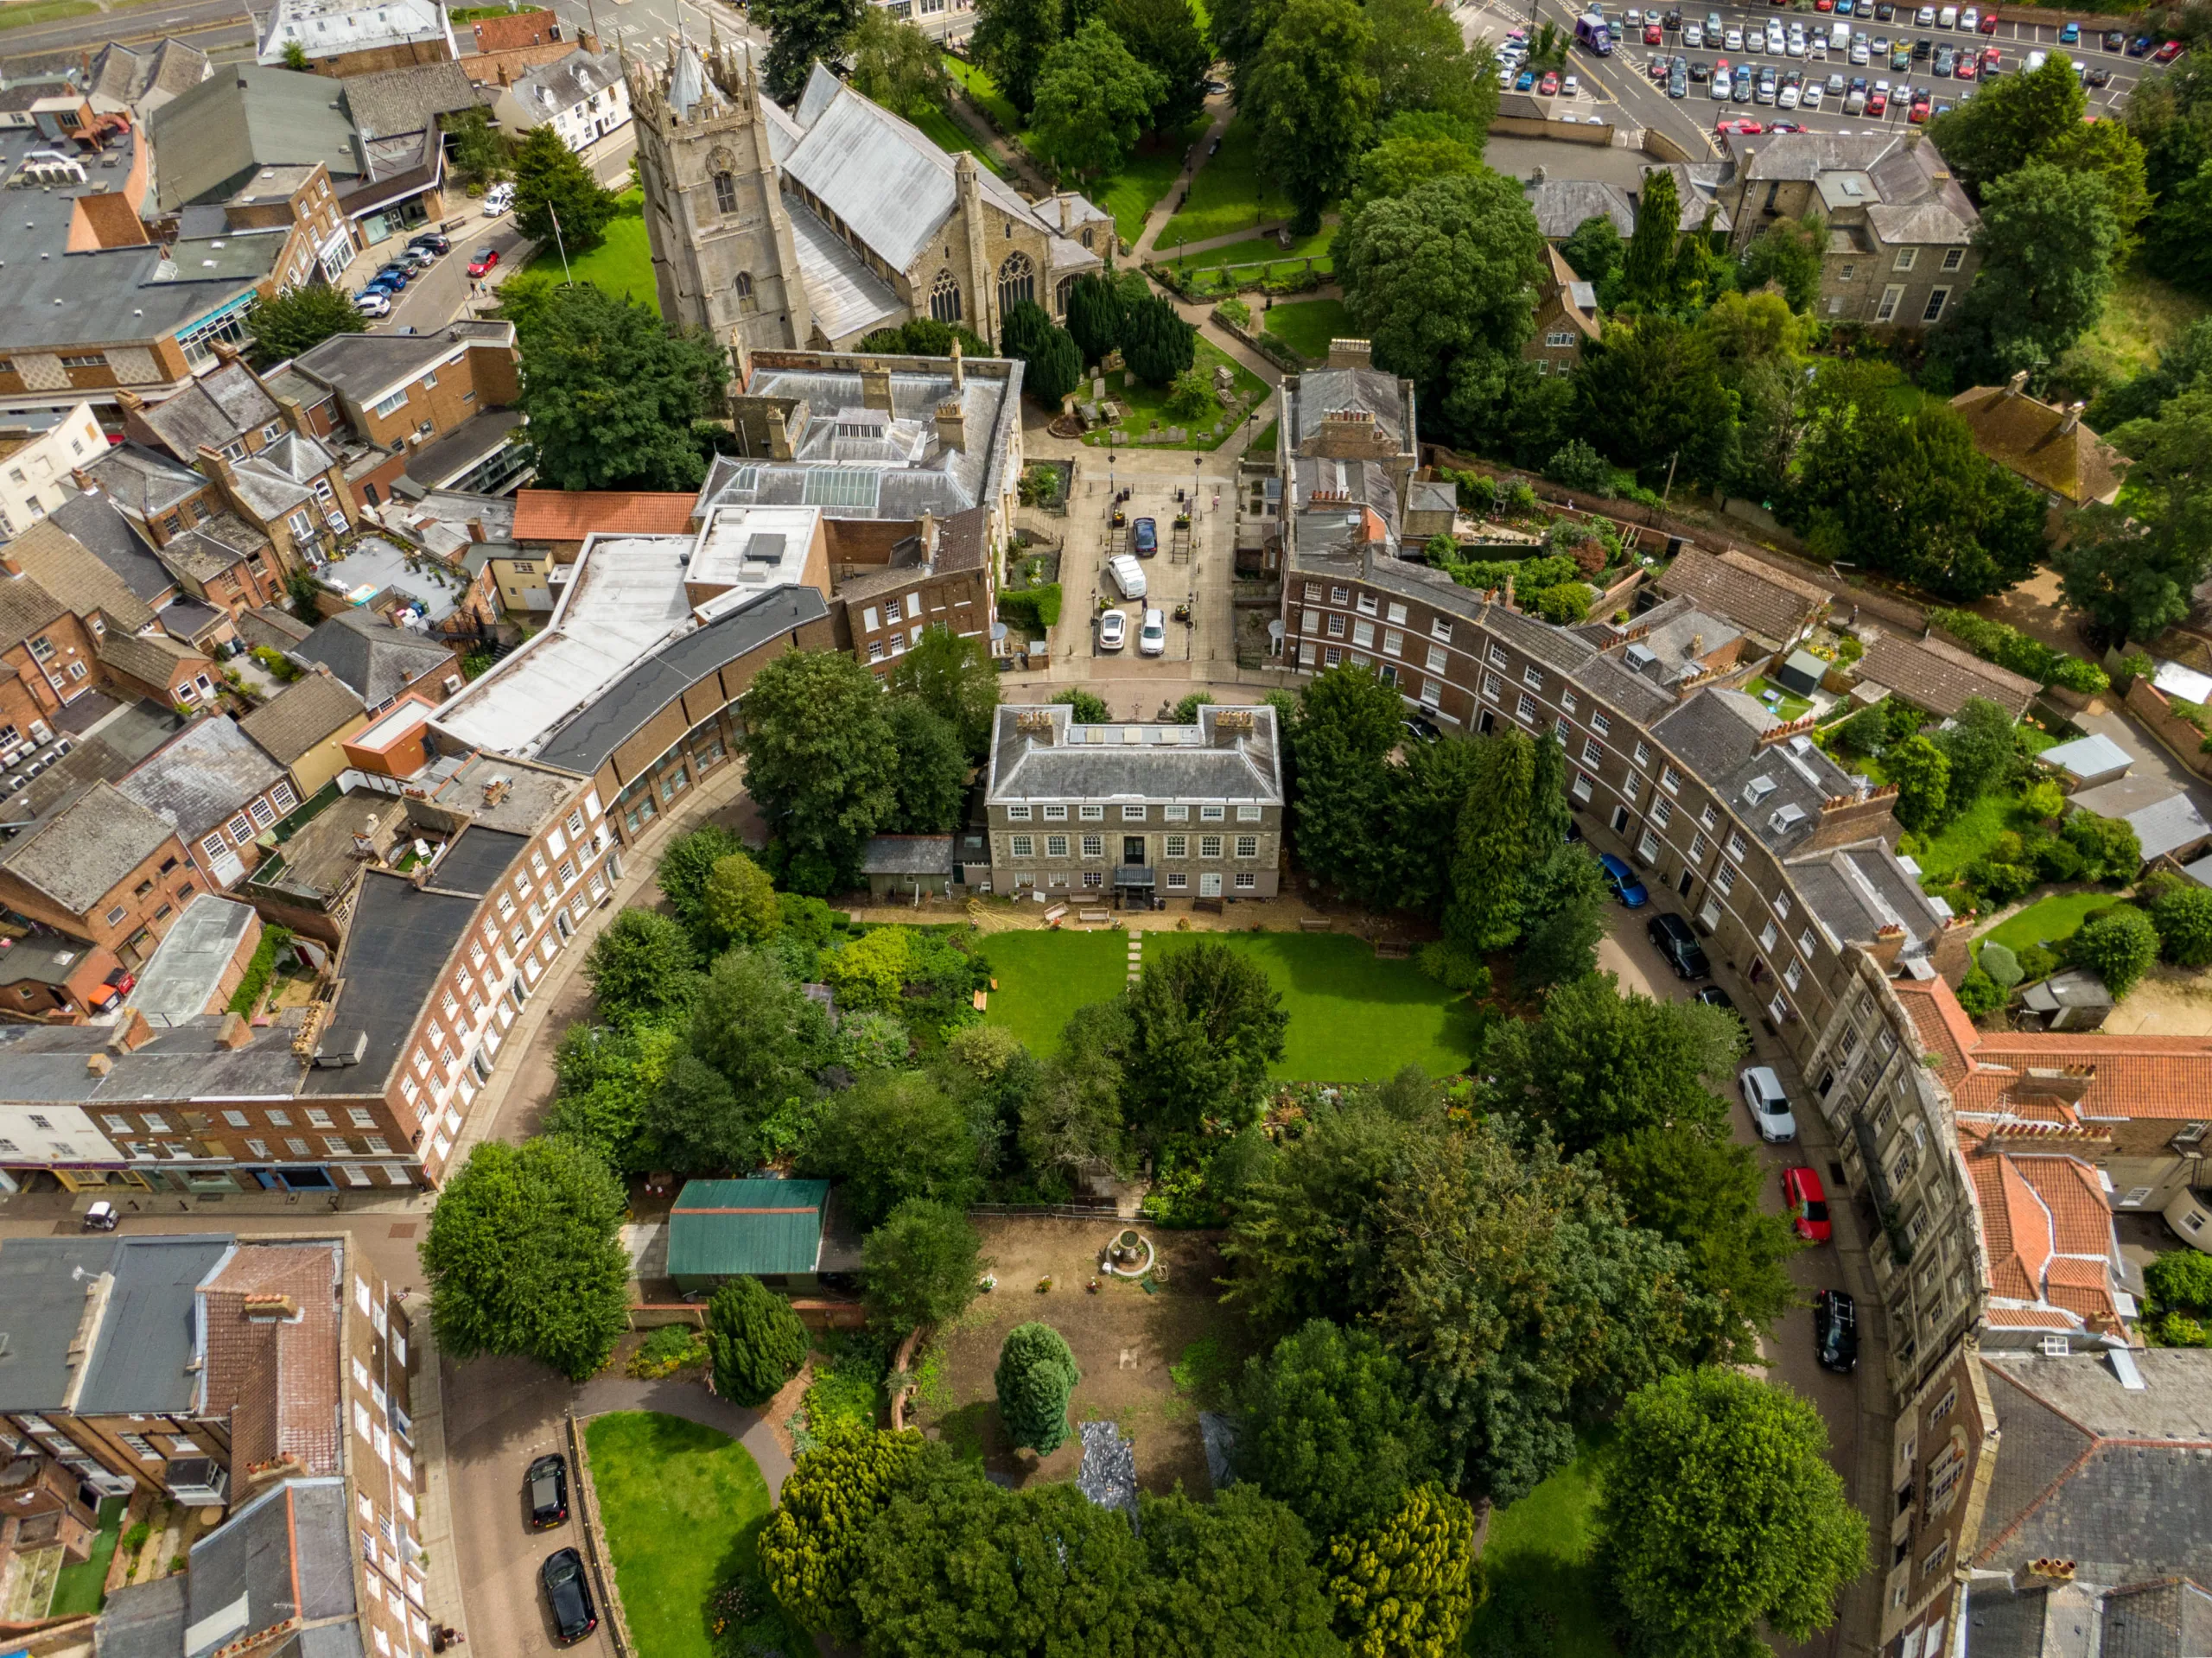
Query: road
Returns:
{"type": "Point", "coordinates": [1619, 90]}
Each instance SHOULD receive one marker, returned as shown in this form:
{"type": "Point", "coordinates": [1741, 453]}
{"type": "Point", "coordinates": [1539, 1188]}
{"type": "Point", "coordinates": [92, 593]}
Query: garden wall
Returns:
{"type": "Point", "coordinates": [1570, 132]}
{"type": "Point", "coordinates": [2184, 740]}
{"type": "Point", "coordinates": [815, 1314]}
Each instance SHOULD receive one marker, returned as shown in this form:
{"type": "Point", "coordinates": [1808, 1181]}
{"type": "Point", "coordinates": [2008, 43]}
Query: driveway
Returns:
{"type": "Point", "coordinates": [2153, 762]}
{"type": "Point", "coordinates": [501, 1414]}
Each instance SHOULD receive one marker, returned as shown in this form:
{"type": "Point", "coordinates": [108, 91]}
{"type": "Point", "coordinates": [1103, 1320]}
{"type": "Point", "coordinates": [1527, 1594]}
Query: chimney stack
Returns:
{"type": "Point", "coordinates": [952, 425]}
{"type": "Point", "coordinates": [234, 1032]}
{"type": "Point", "coordinates": [133, 1033]}
{"type": "Point", "coordinates": [1350, 353]}
{"type": "Point", "coordinates": [2073, 418]}
{"type": "Point", "coordinates": [875, 387]}
{"type": "Point", "coordinates": [2016, 385]}
{"type": "Point", "coordinates": [959, 374]}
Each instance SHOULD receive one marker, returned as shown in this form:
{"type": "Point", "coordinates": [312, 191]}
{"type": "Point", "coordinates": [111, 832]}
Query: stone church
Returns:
{"type": "Point", "coordinates": [814, 228]}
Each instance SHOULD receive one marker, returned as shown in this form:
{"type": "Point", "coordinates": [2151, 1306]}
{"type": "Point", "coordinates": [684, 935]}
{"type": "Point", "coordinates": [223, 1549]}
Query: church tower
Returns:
{"type": "Point", "coordinates": [721, 245]}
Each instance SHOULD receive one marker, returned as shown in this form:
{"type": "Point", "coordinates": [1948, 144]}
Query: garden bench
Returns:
{"type": "Point", "coordinates": [1089, 916]}
{"type": "Point", "coordinates": [1315, 923]}
{"type": "Point", "coordinates": [1052, 915]}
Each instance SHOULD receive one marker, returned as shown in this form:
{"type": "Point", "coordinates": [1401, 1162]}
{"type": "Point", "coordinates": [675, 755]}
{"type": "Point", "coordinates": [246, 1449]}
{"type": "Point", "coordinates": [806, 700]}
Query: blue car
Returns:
{"type": "Point", "coordinates": [1621, 881]}
{"type": "Point", "coordinates": [1144, 538]}
{"type": "Point", "coordinates": [2069, 34]}
{"type": "Point", "coordinates": [1527, 79]}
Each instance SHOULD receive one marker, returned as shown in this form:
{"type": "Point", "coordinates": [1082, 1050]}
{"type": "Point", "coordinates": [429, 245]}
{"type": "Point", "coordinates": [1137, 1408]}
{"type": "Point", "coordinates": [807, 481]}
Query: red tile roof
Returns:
{"type": "Point", "coordinates": [1945, 1030]}
{"type": "Point", "coordinates": [278, 1379]}
{"type": "Point", "coordinates": [571, 515]}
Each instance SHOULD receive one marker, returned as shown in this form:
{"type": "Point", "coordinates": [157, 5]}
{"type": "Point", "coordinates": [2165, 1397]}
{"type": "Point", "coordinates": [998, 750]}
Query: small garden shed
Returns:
{"type": "Point", "coordinates": [782, 1232]}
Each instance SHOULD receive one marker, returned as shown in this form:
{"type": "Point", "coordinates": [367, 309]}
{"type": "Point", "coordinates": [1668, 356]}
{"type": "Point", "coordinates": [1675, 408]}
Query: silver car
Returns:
{"type": "Point", "coordinates": [1769, 1105]}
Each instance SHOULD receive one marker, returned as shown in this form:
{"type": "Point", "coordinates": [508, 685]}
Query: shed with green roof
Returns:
{"type": "Point", "coordinates": [774, 1231]}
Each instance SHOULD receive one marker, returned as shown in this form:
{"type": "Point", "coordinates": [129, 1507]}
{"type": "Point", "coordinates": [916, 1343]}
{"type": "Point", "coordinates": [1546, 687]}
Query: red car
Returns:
{"type": "Point", "coordinates": [485, 259]}
{"type": "Point", "coordinates": [1807, 1203]}
{"type": "Point", "coordinates": [1550, 84]}
{"type": "Point", "coordinates": [2167, 53]}
{"type": "Point", "coordinates": [1653, 37]}
{"type": "Point", "coordinates": [1748, 128]}
{"type": "Point", "coordinates": [1992, 60]}
{"type": "Point", "coordinates": [1965, 69]}
{"type": "Point", "coordinates": [1989, 22]}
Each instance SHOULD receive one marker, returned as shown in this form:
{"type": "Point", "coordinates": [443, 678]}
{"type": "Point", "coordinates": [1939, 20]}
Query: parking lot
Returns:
{"type": "Point", "coordinates": [1620, 89]}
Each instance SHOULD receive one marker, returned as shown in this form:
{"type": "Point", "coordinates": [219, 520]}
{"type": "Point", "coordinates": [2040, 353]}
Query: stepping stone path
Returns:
{"type": "Point", "coordinates": [1136, 956]}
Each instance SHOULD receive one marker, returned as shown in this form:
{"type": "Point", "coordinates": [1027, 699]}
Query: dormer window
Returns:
{"type": "Point", "coordinates": [1758, 790]}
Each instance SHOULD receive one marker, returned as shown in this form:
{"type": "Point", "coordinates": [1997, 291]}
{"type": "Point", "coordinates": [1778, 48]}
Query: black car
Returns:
{"type": "Point", "coordinates": [1885, 12]}
{"type": "Point", "coordinates": [1835, 1332]}
{"type": "Point", "coordinates": [2115, 39]}
{"type": "Point", "coordinates": [1422, 728]}
{"type": "Point", "coordinates": [432, 240]}
{"type": "Point", "coordinates": [548, 1486]}
{"type": "Point", "coordinates": [1713, 996]}
{"type": "Point", "coordinates": [1924, 46]}
{"type": "Point", "coordinates": [2098, 76]}
{"type": "Point", "coordinates": [1678, 945]}
{"type": "Point", "coordinates": [568, 1595]}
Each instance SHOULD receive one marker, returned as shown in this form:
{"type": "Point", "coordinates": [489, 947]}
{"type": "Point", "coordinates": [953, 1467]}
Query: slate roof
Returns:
{"type": "Point", "coordinates": [1761, 600]}
{"type": "Point", "coordinates": [411, 99]}
{"type": "Point", "coordinates": [2117, 1481]}
{"type": "Point", "coordinates": [573, 514]}
{"type": "Point", "coordinates": [2049, 447]}
{"type": "Point", "coordinates": [364, 366]}
{"type": "Point", "coordinates": [219, 408]}
{"type": "Point", "coordinates": [375, 659]}
{"type": "Point", "coordinates": [141, 1358]}
{"type": "Point", "coordinates": [1776, 788]}
{"type": "Point", "coordinates": [152, 659]}
{"type": "Point", "coordinates": [302, 715]}
{"type": "Point", "coordinates": [1562, 206]}
{"type": "Point", "coordinates": [102, 530]}
{"type": "Point", "coordinates": [143, 1620]}
{"type": "Point", "coordinates": [285, 1558]}
{"type": "Point", "coordinates": [549, 89]}
{"type": "Point", "coordinates": [42, 1282]}
{"type": "Point", "coordinates": [144, 80]}
{"type": "Point", "coordinates": [203, 778]}
{"type": "Point", "coordinates": [246, 116]}
{"type": "Point", "coordinates": [1133, 762]}
{"type": "Point", "coordinates": [1939, 676]}
{"type": "Point", "coordinates": [77, 577]}
{"type": "Point", "coordinates": [77, 856]}
{"type": "Point", "coordinates": [1323, 391]}
{"type": "Point", "coordinates": [144, 482]}
{"type": "Point", "coordinates": [2169, 1619]}
{"type": "Point", "coordinates": [213, 547]}
{"type": "Point", "coordinates": [1856, 891]}
{"type": "Point", "coordinates": [907, 855]}
{"type": "Point", "coordinates": [718, 1227]}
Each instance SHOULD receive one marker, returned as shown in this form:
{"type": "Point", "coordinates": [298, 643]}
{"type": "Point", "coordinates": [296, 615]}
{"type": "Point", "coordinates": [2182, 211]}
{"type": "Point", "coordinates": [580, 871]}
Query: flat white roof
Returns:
{"type": "Point", "coordinates": [755, 548]}
{"type": "Point", "coordinates": [626, 598]}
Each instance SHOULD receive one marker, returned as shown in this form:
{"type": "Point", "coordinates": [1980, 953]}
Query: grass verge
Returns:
{"type": "Point", "coordinates": [683, 1505]}
{"type": "Point", "coordinates": [623, 264]}
{"type": "Point", "coordinates": [2142, 315]}
{"type": "Point", "coordinates": [44, 11]}
{"type": "Point", "coordinates": [81, 1588]}
{"type": "Point", "coordinates": [1307, 326]}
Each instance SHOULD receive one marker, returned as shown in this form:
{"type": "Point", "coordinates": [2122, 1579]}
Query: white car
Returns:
{"type": "Point", "coordinates": [1570, 87]}
{"type": "Point", "coordinates": [1152, 638]}
{"type": "Point", "coordinates": [1128, 574]}
{"type": "Point", "coordinates": [1947, 17]}
{"type": "Point", "coordinates": [1694, 36]}
{"type": "Point", "coordinates": [2036, 60]}
{"type": "Point", "coordinates": [1970, 20]}
{"type": "Point", "coordinates": [498, 200]}
{"type": "Point", "coordinates": [373, 304]}
{"type": "Point", "coordinates": [1925, 17]}
{"type": "Point", "coordinates": [1770, 1106]}
{"type": "Point", "coordinates": [1810, 98]}
{"type": "Point", "coordinates": [1788, 97]}
{"type": "Point", "coordinates": [1732, 40]}
{"type": "Point", "coordinates": [1797, 45]}
{"type": "Point", "coordinates": [1113, 631]}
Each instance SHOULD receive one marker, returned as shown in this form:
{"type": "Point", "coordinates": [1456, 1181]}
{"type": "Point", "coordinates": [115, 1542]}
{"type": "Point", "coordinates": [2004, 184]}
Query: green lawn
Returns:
{"type": "Point", "coordinates": [1130, 194]}
{"type": "Point", "coordinates": [1307, 326]}
{"type": "Point", "coordinates": [683, 1505]}
{"type": "Point", "coordinates": [473, 14]}
{"type": "Point", "coordinates": [1147, 405]}
{"type": "Point", "coordinates": [1265, 443]}
{"type": "Point", "coordinates": [2142, 315]}
{"type": "Point", "coordinates": [43, 11]}
{"type": "Point", "coordinates": [1266, 250]}
{"type": "Point", "coordinates": [80, 1588]}
{"type": "Point", "coordinates": [623, 264]}
{"type": "Point", "coordinates": [984, 94]}
{"type": "Point", "coordinates": [1543, 1596]}
{"type": "Point", "coordinates": [1966, 836]}
{"type": "Point", "coordinates": [1788, 704]}
{"type": "Point", "coordinates": [1230, 193]}
{"type": "Point", "coordinates": [951, 133]}
{"type": "Point", "coordinates": [2050, 923]}
{"type": "Point", "coordinates": [1045, 976]}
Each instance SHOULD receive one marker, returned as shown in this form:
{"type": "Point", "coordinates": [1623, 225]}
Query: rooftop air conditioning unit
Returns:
{"type": "Point", "coordinates": [341, 1048]}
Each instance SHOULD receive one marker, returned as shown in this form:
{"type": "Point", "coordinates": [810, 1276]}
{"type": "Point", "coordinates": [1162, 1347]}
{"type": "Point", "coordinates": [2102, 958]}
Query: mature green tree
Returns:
{"type": "Point", "coordinates": [1012, 39]}
{"type": "Point", "coordinates": [2118, 945]}
{"type": "Point", "coordinates": [2106, 150]}
{"type": "Point", "coordinates": [925, 336]}
{"type": "Point", "coordinates": [479, 153]}
{"type": "Point", "coordinates": [820, 758]}
{"type": "Point", "coordinates": [1720, 1514]}
{"type": "Point", "coordinates": [955, 678]}
{"type": "Point", "coordinates": [1923, 780]}
{"type": "Point", "coordinates": [1054, 369]}
{"type": "Point", "coordinates": [291, 323]}
{"type": "Point", "coordinates": [922, 1264]}
{"type": "Point", "coordinates": [1233, 1576]}
{"type": "Point", "coordinates": [1332, 1427]}
{"type": "Point", "coordinates": [753, 1045]}
{"type": "Point", "coordinates": [1349, 724]}
{"type": "Point", "coordinates": [641, 966]}
{"type": "Point", "coordinates": [1788, 252]}
{"type": "Point", "coordinates": [1074, 1121]}
{"type": "Point", "coordinates": [604, 1082]}
{"type": "Point", "coordinates": [800, 32]}
{"type": "Point", "coordinates": [684, 866]}
{"type": "Point", "coordinates": [1595, 248]}
{"type": "Point", "coordinates": [836, 1486]}
{"type": "Point", "coordinates": [1435, 780]}
{"type": "Point", "coordinates": [930, 782]}
{"type": "Point", "coordinates": [611, 395]}
{"type": "Point", "coordinates": [755, 1340]}
{"type": "Point", "coordinates": [897, 65]}
{"type": "Point", "coordinates": [526, 300]}
{"type": "Point", "coordinates": [1688, 1182]}
{"type": "Point", "coordinates": [2108, 845]}
{"type": "Point", "coordinates": [890, 1137]}
{"type": "Point", "coordinates": [1421, 64]}
{"type": "Point", "coordinates": [2010, 121]}
{"type": "Point", "coordinates": [1409, 1582]}
{"type": "Point", "coordinates": [1164, 36]}
{"type": "Point", "coordinates": [1313, 100]}
{"type": "Point", "coordinates": [525, 1256]}
{"type": "Point", "coordinates": [2170, 479]}
{"type": "Point", "coordinates": [1096, 313]}
{"type": "Point", "coordinates": [1490, 862]}
{"type": "Point", "coordinates": [1981, 747]}
{"type": "Point", "coordinates": [1396, 166]}
{"type": "Point", "coordinates": [1240, 29]}
{"type": "Point", "coordinates": [739, 903]}
{"type": "Point", "coordinates": [2183, 915]}
{"type": "Point", "coordinates": [1441, 271]}
{"type": "Point", "coordinates": [2048, 240]}
{"type": "Point", "coordinates": [2130, 583]}
{"type": "Point", "coordinates": [1904, 491]}
{"type": "Point", "coordinates": [1204, 1024]}
{"type": "Point", "coordinates": [1093, 98]}
{"type": "Point", "coordinates": [556, 193]}
{"type": "Point", "coordinates": [1601, 1064]}
{"type": "Point", "coordinates": [955, 1564]}
{"type": "Point", "coordinates": [1156, 343]}
{"type": "Point", "coordinates": [2175, 238]}
{"type": "Point", "coordinates": [1647, 272]}
{"type": "Point", "coordinates": [1649, 395]}
{"type": "Point", "coordinates": [1035, 1379]}
{"type": "Point", "coordinates": [1563, 920]}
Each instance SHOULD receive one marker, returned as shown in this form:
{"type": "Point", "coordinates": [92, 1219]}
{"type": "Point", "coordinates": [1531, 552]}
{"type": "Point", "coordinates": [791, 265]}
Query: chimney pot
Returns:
{"type": "Point", "coordinates": [952, 426]}
{"type": "Point", "coordinates": [133, 1033]}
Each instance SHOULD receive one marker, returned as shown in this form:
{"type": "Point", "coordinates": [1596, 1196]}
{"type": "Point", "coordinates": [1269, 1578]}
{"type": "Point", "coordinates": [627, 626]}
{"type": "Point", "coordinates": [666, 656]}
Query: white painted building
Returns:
{"type": "Point", "coordinates": [35, 466]}
{"type": "Point", "coordinates": [583, 97]}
